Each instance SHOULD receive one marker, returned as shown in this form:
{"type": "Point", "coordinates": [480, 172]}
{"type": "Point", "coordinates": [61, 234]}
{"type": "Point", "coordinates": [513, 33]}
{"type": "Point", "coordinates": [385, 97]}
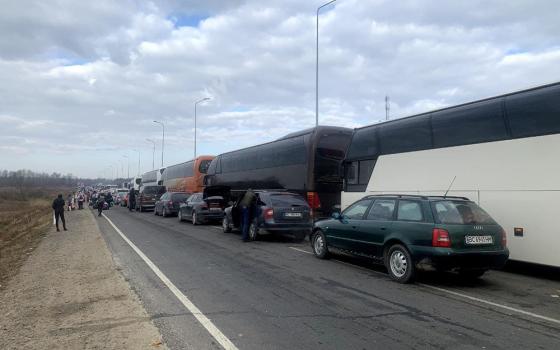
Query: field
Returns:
{"type": "Point", "coordinates": [25, 217]}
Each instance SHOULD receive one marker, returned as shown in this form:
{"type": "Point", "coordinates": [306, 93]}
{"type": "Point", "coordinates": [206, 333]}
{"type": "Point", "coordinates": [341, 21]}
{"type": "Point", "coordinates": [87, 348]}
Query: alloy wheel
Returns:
{"type": "Point", "coordinates": [398, 263]}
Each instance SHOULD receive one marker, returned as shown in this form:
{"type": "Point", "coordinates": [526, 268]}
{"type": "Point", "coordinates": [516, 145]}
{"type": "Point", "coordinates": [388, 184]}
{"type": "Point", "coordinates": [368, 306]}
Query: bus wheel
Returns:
{"type": "Point", "coordinates": [226, 227]}
{"type": "Point", "coordinates": [253, 231]}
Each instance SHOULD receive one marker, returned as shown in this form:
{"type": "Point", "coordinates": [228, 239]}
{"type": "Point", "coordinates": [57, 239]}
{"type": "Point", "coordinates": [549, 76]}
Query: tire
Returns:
{"type": "Point", "coordinates": [194, 218]}
{"type": "Point", "coordinates": [180, 216]}
{"type": "Point", "coordinates": [319, 245]}
{"type": "Point", "coordinates": [226, 227]}
{"type": "Point", "coordinates": [253, 231]}
{"type": "Point", "coordinates": [471, 274]}
{"type": "Point", "coordinates": [399, 264]}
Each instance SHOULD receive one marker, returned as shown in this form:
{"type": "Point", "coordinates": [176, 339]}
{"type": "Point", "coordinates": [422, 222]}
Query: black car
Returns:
{"type": "Point", "coordinates": [200, 208]}
{"type": "Point", "coordinates": [169, 203]}
{"type": "Point", "coordinates": [405, 232]}
{"type": "Point", "coordinates": [273, 212]}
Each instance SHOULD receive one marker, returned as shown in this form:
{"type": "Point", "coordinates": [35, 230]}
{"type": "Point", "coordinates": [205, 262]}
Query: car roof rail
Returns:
{"type": "Point", "coordinates": [398, 195]}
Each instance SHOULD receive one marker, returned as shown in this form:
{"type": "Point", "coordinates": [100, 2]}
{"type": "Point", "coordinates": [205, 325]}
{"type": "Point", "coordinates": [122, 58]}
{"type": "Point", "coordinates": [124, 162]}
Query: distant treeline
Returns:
{"type": "Point", "coordinates": [27, 178]}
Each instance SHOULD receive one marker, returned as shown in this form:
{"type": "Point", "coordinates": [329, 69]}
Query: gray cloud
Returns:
{"type": "Point", "coordinates": [83, 81]}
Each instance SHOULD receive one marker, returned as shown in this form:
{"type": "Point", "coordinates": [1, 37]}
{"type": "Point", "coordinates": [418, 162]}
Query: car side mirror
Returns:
{"type": "Point", "coordinates": [336, 216]}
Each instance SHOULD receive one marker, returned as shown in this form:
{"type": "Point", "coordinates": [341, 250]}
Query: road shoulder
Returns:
{"type": "Point", "coordinates": [69, 294]}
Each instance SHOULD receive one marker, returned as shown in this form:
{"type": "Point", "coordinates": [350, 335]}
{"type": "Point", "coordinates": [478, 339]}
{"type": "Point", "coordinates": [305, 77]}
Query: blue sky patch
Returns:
{"type": "Point", "coordinates": [186, 20]}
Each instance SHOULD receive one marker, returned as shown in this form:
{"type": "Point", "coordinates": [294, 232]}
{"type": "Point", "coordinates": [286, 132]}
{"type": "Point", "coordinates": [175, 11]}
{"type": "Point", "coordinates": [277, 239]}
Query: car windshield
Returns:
{"type": "Point", "coordinates": [461, 213]}
{"type": "Point", "coordinates": [286, 200]}
{"type": "Point", "coordinates": [154, 190]}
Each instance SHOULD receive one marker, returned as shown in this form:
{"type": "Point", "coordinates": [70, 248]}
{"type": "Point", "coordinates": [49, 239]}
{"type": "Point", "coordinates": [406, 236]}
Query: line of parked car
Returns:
{"type": "Point", "coordinates": [405, 233]}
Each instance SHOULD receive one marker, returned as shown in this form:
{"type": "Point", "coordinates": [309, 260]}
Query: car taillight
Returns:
{"type": "Point", "coordinates": [268, 214]}
{"type": "Point", "coordinates": [504, 238]}
{"type": "Point", "coordinates": [440, 238]}
{"type": "Point", "coordinates": [313, 200]}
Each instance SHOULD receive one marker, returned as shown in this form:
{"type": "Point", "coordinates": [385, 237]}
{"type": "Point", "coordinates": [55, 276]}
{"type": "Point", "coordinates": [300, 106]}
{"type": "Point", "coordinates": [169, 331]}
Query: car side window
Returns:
{"type": "Point", "coordinates": [382, 209]}
{"type": "Point", "coordinates": [409, 211]}
{"type": "Point", "coordinates": [357, 210]}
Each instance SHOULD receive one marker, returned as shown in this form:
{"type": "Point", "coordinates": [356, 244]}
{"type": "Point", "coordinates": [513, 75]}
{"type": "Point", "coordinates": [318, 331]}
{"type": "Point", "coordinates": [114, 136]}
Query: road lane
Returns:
{"type": "Point", "coordinates": [266, 295]}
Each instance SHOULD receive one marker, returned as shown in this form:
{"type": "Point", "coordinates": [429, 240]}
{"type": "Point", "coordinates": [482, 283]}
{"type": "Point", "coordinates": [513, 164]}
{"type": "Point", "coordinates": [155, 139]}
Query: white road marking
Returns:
{"type": "Point", "coordinates": [483, 301]}
{"type": "Point", "coordinates": [204, 321]}
{"type": "Point", "coordinates": [479, 300]}
{"type": "Point", "coordinates": [301, 250]}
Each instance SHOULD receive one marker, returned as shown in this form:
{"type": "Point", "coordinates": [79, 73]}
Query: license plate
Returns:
{"type": "Point", "coordinates": [473, 240]}
{"type": "Point", "coordinates": [215, 209]}
{"type": "Point", "coordinates": [292, 215]}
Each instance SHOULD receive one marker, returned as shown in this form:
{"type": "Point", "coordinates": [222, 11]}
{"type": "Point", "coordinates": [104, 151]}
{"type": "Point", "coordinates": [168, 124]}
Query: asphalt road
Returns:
{"type": "Point", "coordinates": [274, 294]}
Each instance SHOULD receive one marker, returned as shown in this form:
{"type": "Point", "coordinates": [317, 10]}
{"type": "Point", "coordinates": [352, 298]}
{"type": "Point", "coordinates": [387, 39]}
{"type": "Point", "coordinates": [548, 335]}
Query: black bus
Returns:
{"type": "Point", "coordinates": [307, 162]}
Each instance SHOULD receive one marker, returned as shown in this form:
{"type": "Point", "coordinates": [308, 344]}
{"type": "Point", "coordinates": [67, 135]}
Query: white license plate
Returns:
{"type": "Point", "coordinates": [473, 240]}
{"type": "Point", "coordinates": [292, 215]}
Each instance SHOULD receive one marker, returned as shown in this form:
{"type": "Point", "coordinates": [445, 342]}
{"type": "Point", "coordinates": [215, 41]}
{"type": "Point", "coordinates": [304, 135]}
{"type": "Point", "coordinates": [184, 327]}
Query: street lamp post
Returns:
{"type": "Point", "coordinates": [195, 104]}
{"type": "Point", "coordinates": [128, 169]}
{"type": "Point", "coordinates": [135, 150]}
{"type": "Point", "coordinates": [153, 153]}
{"type": "Point", "coordinates": [162, 139]}
{"type": "Point", "coordinates": [317, 66]}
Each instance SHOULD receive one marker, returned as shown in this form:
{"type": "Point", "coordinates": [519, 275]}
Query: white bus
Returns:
{"type": "Point", "coordinates": [503, 152]}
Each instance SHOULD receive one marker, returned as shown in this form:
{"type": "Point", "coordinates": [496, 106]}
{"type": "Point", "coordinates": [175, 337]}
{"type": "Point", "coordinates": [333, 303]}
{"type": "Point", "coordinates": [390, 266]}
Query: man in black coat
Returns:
{"type": "Point", "coordinates": [58, 206]}
{"type": "Point", "coordinates": [131, 199]}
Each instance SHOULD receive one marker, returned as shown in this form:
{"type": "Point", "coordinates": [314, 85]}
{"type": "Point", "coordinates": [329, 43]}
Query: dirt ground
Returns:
{"type": "Point", "coordinates": [23, 222]}
{"type": "Point", "coordinates": [69, 295]}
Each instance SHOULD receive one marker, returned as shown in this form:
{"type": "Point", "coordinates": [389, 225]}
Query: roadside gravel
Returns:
{"type": "Point", "coordinates": [69, 295]}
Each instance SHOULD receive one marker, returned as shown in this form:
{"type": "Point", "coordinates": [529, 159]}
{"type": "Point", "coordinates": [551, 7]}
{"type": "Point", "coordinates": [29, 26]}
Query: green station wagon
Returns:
{"type": "Point", "coordinates": [406, 232]}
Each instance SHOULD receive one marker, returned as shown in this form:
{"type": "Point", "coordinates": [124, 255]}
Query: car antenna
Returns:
{"type": "Point", "coordinates": [451, 184]}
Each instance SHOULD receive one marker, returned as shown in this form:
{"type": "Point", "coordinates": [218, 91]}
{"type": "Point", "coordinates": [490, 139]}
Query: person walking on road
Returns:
{"type": "Point", "coordinates": [100, 204]}
{"type": "Point", "coordinates": [246, 205]}
{"type": "Point", "coordinates": [58, 207]}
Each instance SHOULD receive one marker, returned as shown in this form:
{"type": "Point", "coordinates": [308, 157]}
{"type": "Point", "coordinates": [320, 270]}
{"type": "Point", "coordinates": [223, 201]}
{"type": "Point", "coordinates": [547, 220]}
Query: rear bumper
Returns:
{"type": "Point", "coordinates": [447, 259]}
{"type": "Point", "coordinates": [210, 215]}
{"type": "Point", "coordinates": [283, 228]}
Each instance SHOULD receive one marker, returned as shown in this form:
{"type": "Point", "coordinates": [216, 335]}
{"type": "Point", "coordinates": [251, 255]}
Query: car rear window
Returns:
{"type": "Point", "coordinates": [179, 196]}
{"type": "Point", "coordinates": [154, 190]}
{"type": "Point", "coordinates": [461, 213]}
{"type": "Point", "coordinates": [286, 200]}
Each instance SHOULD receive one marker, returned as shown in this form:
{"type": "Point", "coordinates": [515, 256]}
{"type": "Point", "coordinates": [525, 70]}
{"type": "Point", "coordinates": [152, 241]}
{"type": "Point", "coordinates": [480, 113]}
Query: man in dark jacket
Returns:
{"type": "Point", "coordinates": [58, 207]}
{"type": "Point", "coordinates": [246, 204]}
{"type": "Point", "coordinates": [131, 199]}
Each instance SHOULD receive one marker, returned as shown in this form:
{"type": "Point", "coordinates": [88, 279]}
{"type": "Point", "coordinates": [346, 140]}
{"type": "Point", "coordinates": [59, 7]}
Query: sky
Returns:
{"type": "Point", "coordinates": [81, 82]}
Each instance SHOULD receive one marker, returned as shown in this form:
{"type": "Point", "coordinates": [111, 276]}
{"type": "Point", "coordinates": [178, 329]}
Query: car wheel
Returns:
{"type": "Point", "coordinates": [319, 245]}
{"type": "Point", "coordinates": [253, 231]}
{"type": "Point", "coordinates": [194, 219]}
{"type": "Point", "coordinates": [471, 274]}
{"type": "Point", "coordinates": [180, 216]}
{"type": "Point", "coordinates": [399, 264]}
{"type": "Point", "coordinates": [226, 227]}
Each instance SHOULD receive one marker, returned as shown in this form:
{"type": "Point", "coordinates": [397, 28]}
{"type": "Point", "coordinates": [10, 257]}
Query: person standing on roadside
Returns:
{"type": "Point", "coordinates": [131, 199]}
{"type": "Point", "coordinates": [58, 207]}
{"type": "Point", "coordinates": [246, 205]}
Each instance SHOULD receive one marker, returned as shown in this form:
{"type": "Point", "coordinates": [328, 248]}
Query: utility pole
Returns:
{"type": "Point", "coordinates": [387, 107]}
{"type": "Point", "coordinates": [162, 138]}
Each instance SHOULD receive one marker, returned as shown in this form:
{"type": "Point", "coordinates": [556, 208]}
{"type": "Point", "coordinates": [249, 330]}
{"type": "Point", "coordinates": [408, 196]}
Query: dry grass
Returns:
{"type": "Point", "coordinates": [25, 217]}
